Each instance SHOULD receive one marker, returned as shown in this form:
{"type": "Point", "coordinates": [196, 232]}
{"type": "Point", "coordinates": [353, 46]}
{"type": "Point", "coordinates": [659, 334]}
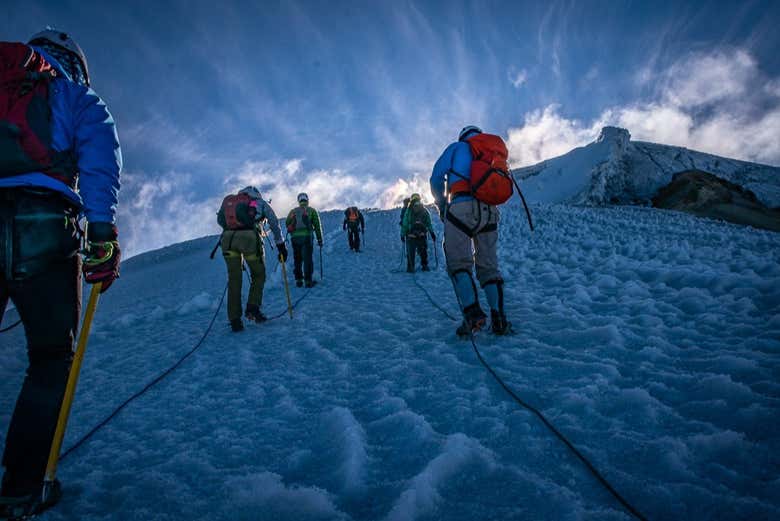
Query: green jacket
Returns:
{"type": "Point", "coordinates": [302, 221]}
{"type": "Point", "coordinates": [417, 221]}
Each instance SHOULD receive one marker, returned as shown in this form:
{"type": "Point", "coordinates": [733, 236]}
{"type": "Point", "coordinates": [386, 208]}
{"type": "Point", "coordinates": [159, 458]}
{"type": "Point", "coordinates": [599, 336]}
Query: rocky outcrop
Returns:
{"type": "Point", "coordinates": [706, 195]}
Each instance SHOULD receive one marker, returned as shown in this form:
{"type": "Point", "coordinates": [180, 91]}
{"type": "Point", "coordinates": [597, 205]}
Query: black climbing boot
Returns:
{"type": "Point", "coordinates": [254, 314]}
{"type": "Point", "coordinates": [473, 320]}
{"type": "Point", "coordinates": [499, 324]}
{"type": "Point", "coordinates": [27, 506]}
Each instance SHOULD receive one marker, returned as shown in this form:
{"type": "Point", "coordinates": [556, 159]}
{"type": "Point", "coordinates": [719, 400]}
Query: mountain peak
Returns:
{"type": "Point", "coordinates": [614, 169]}
{"type": "Point", "coordinates": [618, 135]}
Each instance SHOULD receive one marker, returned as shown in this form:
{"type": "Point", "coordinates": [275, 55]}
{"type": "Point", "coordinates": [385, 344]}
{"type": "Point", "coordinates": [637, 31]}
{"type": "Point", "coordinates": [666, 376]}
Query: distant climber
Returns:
{"type": "Point", "coordinates": [354, 225]}
{"type": "Point", "coordinates": [242, 216]}
{"type": "Point", "coordinates": [403, 211]}
{"type": "Point", "coordinates": [474, 171]}
{"type": "Point", "coordinates": [303, 224]}
{"type": "Point", "coordinates": [415, 228]}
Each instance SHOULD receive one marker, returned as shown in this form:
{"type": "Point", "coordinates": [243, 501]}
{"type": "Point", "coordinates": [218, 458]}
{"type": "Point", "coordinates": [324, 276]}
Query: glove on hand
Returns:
{"type": "Point", "coordinates": [403, 239]}
{"type": "Point", "coordinates": [282, 249]}
{"type": "Point", "coordinates": [319, 243]}
{"type": "Point", "coordinates": [344, 227]}
{"type": "Point", "coordinates": [433, 237]}
{"type": "Point", "coordinates": [102, 256]}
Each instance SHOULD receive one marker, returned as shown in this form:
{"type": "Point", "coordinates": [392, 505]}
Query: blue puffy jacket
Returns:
{"type": "Point", "coordinates": [453, 164]}
{"type": "Point", "coordinates": [80, 122]}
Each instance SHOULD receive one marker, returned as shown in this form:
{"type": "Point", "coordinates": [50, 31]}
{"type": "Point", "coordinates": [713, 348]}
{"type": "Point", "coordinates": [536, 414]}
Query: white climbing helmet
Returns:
{"type": "Point", "coordinates": [468, 130]}
{"type": "Point", "coordinates": [65, 50]}
{"type": "Point", "coordinates": [251, 191]}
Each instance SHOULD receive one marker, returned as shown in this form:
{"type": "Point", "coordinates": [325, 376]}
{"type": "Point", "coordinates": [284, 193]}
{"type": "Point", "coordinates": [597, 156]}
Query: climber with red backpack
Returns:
{"type": "Point", "coordinates": [241, 217]}
{"type": "Point", "coordinates": [59, 161]}
{"type": "Point", "coordinates": [354, 225]}
{"type": "Point", "coordinates": [470, 179]}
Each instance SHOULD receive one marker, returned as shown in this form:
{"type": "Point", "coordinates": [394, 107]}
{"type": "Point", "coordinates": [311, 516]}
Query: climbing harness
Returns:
{"type": "Point", "coordinates": [538, 413]}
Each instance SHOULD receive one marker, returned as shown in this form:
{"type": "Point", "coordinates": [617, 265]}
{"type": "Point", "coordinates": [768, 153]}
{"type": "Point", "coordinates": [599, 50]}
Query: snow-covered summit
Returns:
{"type": "Point", "coordinates": [614, 169]}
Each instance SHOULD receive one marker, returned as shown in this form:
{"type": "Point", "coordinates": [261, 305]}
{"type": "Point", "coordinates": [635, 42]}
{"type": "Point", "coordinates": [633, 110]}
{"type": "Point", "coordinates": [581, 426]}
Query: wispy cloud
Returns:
{"type": "Point", "coordinates": [518, 78]}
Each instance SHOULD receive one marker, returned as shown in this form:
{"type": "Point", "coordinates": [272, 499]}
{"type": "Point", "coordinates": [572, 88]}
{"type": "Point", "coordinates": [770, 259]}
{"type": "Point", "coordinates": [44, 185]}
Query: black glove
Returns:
{"type": "Point", "coordinates": [282, 249]}
{"type": "Point", "coordinates": [319, 243]}
{"type": "Point", "coordinates": [102, 256]}
{"type": "Point", "coordinates": [344, 227]}
{"type": "Point", "coordinates": [403, 238]}
{"type": "Point", "coordinates": [433, 237]}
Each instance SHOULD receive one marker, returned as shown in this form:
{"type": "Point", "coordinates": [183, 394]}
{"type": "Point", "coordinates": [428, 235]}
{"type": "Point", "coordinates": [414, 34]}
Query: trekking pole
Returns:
{"type": "Point", "coordinates": [214, 251]}
{"type": "Point", "coordinates": [70, 391]}
{"type": "Point", "coordinates": [520, 193]}
{"type": "Point", "coordinates": [286, 287]}
{"type": "Point", "coordinates": [321, 276]}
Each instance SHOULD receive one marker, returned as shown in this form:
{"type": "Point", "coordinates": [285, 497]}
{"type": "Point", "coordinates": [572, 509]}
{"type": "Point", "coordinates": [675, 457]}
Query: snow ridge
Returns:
{"type": "Point", "coordinates": [614, 169]}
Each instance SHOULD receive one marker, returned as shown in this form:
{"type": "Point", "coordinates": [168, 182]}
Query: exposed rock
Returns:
{"type": "Point", "coordinates": [706, 195]}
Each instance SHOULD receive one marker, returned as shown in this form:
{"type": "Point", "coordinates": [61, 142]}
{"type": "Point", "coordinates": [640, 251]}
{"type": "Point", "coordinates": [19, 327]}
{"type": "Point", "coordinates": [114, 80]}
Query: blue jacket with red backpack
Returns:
{"type": "Point", "coordinates": [453, 165]}
{"type": "Point", "coordinates": [81, 122]}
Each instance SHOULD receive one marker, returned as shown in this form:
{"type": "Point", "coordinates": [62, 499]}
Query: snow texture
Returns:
{"type": "Point", "coordinates": [614, 169]}
{"type": "Point", "coordinates": [649, 338]}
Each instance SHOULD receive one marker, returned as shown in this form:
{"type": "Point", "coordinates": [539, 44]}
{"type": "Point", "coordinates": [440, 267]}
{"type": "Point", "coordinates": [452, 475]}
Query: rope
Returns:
{"type": "Point", "coordinates": [295, 304]}
{"type": "Point", "coordinates": [149, 385]}
{"type": "Point", "coordinates": [165, 373]}
{"type": "Point", "coordinates": [435, 304]}
{"type": "Point", "coordinates": [541, 416]}
{"type": "Point", "coordinates": [9, 328]}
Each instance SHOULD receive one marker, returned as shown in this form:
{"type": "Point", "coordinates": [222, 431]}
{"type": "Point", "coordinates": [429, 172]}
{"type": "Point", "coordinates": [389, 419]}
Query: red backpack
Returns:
{"type": "Point", "coordinates": [236, 213]}
{"type": "Point", "coordinates": [25, 119]}
{"type": "Point", "coordinates": [490, 180]}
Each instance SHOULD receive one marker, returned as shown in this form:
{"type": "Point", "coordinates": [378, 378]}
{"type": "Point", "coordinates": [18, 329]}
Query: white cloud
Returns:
{"type": "Point", "coordinates": [719, 103]}
{"type": "Point", "coordinates": [547, 134]}
{"type": "Point", "coordinates": [155, 213]}
{"type": "Point", "coordinates": [654, 122]}
{"type": "Point", "coordinates": [773, 88]}
{"type": "Point", "coordinates": [518, 78]}
{"type": "Point", "coordinates": [160, 212]}
{"type": "Point", "coordinates": [704, 79]}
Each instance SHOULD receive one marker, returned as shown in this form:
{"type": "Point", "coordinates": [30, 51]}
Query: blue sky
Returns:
{"type": "Point", "coordinates": [353, 101]}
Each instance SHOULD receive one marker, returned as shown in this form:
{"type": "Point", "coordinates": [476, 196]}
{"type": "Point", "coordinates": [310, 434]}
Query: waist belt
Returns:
{"type": "Point", "coordinates": [471, 232]}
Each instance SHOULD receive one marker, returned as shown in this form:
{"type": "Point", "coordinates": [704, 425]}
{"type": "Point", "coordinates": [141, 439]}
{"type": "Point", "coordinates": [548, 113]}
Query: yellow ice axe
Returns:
{"type": "Point", "coordinates": [70, 390]}
{"type": "Point", "coordinates": [286, 286]}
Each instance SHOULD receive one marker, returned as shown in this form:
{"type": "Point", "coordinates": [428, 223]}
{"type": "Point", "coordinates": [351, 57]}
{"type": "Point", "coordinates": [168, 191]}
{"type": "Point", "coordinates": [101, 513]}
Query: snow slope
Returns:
{"type": "Point", "coordinates": [649, 338]}
{"type": "Point", "coordinates": [615, 169]}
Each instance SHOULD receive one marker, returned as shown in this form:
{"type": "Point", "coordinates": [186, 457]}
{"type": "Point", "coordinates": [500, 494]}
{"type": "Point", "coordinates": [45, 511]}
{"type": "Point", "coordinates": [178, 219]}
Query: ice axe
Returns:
{"type": "Point", "coordinates": [286, 286]}
{"type": "Point", "coordinates": [70, 391]}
